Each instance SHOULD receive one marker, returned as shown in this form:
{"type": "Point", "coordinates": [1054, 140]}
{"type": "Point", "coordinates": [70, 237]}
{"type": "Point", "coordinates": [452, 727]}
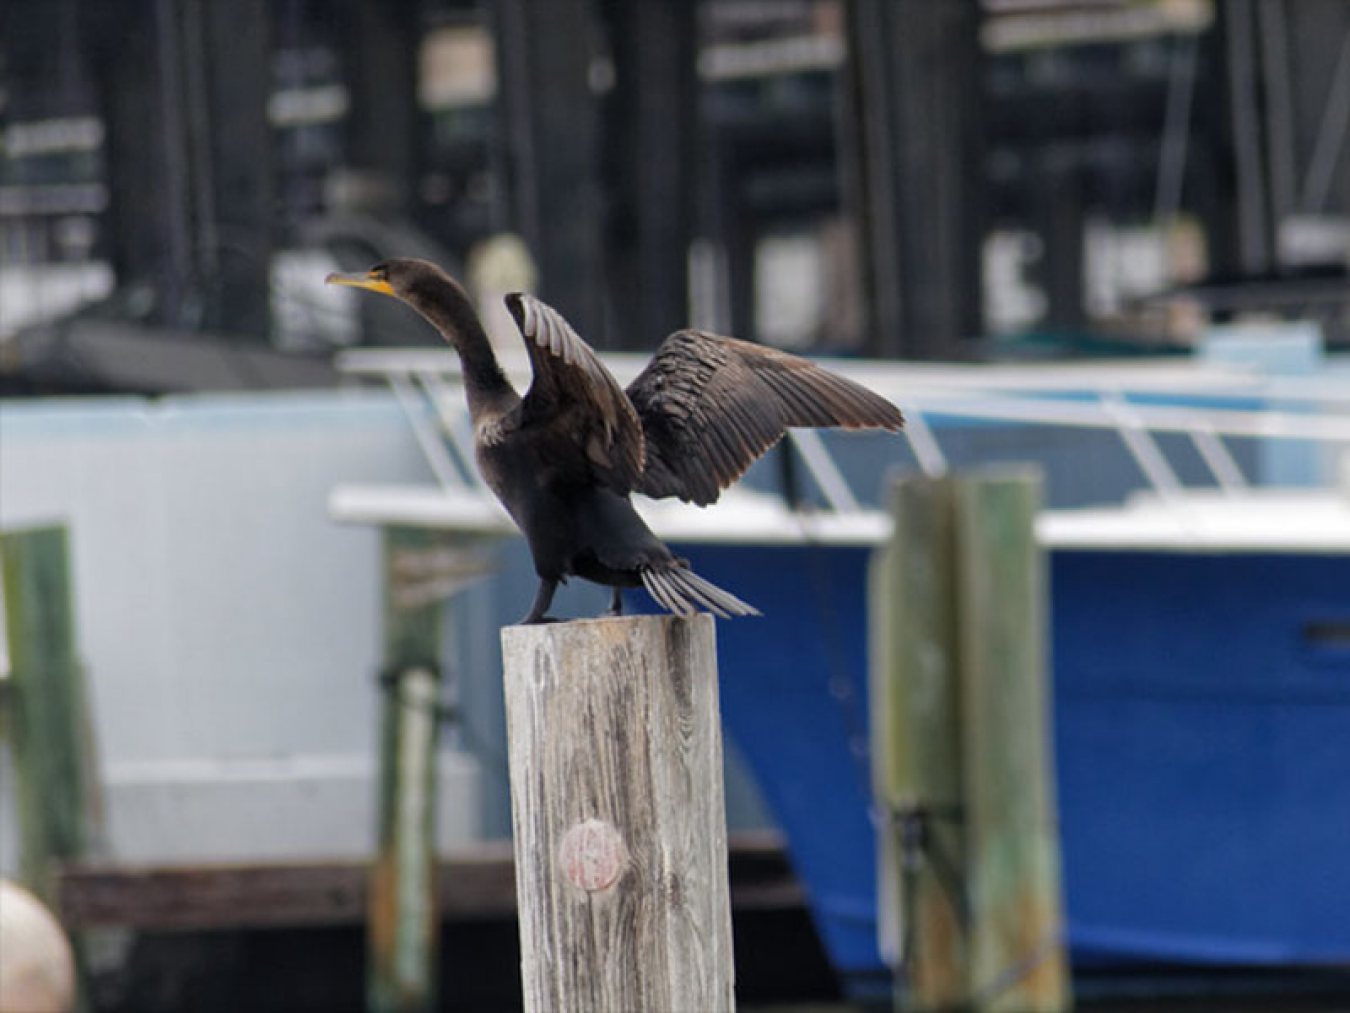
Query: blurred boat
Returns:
{"type": "Point", "coordinates": [1198, 536]}
{"type": "Point", "coordinates": [1201, 635]}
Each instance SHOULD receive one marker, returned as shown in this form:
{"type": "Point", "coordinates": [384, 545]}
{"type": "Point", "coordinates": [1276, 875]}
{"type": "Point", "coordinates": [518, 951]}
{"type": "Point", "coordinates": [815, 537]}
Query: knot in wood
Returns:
{"type": "Point", "coordinates": [593, 855]}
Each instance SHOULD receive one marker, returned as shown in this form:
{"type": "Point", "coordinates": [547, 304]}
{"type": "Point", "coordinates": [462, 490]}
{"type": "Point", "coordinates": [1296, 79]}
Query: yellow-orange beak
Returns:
{"type": "Point", "coordinates": [366, 281]}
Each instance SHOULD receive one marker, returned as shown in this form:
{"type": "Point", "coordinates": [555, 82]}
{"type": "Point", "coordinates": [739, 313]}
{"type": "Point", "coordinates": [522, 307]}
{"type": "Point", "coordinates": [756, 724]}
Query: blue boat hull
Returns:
{"type": "Point", "coordinates": [1201, 711]}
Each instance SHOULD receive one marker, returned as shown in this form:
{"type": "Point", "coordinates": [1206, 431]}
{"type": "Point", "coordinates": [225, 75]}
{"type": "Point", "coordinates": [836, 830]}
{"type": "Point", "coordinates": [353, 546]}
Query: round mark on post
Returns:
{"type": "Point", "coordinates": [593, 855]}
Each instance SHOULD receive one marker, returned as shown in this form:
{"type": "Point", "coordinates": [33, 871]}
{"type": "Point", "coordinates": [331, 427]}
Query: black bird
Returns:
{"type": "Point", "coordinates": [564, 458]}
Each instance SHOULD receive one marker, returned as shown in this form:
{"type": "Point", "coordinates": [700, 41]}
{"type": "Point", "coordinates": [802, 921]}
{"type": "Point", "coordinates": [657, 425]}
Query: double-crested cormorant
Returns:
{"type": "Point", "coordinates": [564, 458]}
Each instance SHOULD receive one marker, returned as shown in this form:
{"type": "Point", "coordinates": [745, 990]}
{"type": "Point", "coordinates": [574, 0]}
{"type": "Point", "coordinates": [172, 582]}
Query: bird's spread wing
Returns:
{"type": "Point", "coordinates": [574, 405]}
{"type": "Point", "coordinates": [710, 406]}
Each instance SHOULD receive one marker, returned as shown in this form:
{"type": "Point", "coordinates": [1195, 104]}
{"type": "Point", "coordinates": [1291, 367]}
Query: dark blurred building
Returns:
{"type": "Point", "coordinates": [884, 177]}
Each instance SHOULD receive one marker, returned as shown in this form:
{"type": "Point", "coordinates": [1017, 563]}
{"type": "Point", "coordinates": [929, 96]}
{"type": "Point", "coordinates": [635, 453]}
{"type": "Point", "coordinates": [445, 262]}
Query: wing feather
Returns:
{"type": "Point", "coordinates": [574, 403]}
{"type": "Point", "coordinates": [710, 406]}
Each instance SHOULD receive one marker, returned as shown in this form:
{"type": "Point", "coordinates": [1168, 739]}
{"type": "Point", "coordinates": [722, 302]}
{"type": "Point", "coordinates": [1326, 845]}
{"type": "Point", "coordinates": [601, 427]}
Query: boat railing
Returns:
{"type": "Point", "coordinates": [1211, 405]}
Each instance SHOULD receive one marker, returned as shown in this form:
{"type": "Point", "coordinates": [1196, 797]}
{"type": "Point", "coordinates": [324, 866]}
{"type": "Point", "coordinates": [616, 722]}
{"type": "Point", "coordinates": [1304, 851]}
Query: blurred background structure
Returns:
{"type": "Point", "coordinates": [927, 180]}
{"type": "Point", "coordinates": [1111, 237]}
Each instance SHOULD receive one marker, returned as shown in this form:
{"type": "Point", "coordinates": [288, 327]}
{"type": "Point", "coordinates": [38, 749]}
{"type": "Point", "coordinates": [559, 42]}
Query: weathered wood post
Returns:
{"type": "Point", "coordinates": [1017, 948]}
{"type": "Point", "coordinates": [962, 754]}
{"type": "Point", "coordinates": [421, 569]}
{"type": "Point", "coordinates": [49, 723]}
{"type": "Point", "coordinates": [916, 746]}
{"type": "Point", "coordinates": [620, 826]}
{"type": "Point", "coordinates": [44, 712]}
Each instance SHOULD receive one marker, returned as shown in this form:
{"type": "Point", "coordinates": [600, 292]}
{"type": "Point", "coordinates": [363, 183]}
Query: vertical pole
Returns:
{"type": "Point", "coordinates": [379, 49]}
{"type": "Point", "coordinates": [1255, 234]}
{"type": "Point", "coordinates": [50, 724]}
{"type": "Point", "coordinates": [915, 87]}
{"type": "Point", "coordinates": [404, 921]}
{"type": "Point", "coordinates": [962, 761]}
{"type": "Point", "coordinates": [139, 93]}
{"type": "Point", "coordinates": [620, 829]}
{"type": "Point", "coordinates": [548, 149]}
{"type": "Point", "coordinates": [184, 86]}
{"type": "Point", "coordinates": [650, 123]}
{"type": "Point", "coordinates": [917, 752]}
{"type": "Point", "coordinates": [233, 162]}
{"type": "Point", "coordinates": [1012, 845]}
{"type": "Point", "coordinates": [1061, 222]}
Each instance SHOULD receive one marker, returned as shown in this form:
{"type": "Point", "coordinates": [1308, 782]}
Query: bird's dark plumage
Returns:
{"type": "Point", "coordinates": [564, 458]}
{"type": "Point", "coordinates": [710, 406]}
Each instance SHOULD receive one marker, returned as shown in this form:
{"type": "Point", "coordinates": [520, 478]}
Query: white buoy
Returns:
{"type": "Point", "coordinates": [37, 968]}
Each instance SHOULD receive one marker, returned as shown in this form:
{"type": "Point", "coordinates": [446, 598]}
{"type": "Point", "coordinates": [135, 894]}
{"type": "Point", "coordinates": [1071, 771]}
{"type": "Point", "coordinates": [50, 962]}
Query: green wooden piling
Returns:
{"type": "Point", "coordinates": [48, 722]}
{"type": "Point", "coordinates": [1016, 948]}
{"type": "Point", "coordinates": [961, 754]}
{"type": "Point", "coordinates": [917, 760]}
{"type": "Point", "coordinates": [404, 923]}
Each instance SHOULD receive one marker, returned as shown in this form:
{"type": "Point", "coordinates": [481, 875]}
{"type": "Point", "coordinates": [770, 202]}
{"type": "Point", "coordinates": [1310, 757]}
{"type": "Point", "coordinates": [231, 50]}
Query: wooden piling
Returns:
{"type": "Point", "coordinates": [48, 721]}
{"type": "Point", "coordinates": [962, 757]}
{"type": "Point", "coordinates": [620, 830]}
{"type": "Point", "coordinates": [1017, 953]}
{"type": "Point", "coordinates": [404, 921]}
{"type": "Point", "coordinates": [917, 745]}
{"type": "Point", "coordinates": [45, 716]}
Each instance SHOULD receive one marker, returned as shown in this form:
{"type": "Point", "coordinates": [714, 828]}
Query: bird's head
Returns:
{"type": "Point", "coordinates": [432, 293]}
{"type": "Point", "coordinates": [417, 282]}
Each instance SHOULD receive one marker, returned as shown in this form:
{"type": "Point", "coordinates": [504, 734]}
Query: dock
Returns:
{"type": "Point", "coordinates": [192, 929]}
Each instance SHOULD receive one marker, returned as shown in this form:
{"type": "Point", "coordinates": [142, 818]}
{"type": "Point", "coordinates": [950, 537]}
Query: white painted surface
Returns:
{"type": "Point", "coordinates": [225, 621]}
{"type": "Point", "coordinates": [1260, 520]}
{"type": "Point", "coordinates": [740, 516]}
{"type": "Point", "coordinates": [1255, 521]}
{"type": "Point", "coordinates": [300, 806]}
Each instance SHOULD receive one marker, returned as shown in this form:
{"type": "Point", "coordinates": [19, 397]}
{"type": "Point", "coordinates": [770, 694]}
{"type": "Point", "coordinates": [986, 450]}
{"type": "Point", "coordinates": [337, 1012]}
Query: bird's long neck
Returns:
{"type": "Point", "coordinates": [452, 313]}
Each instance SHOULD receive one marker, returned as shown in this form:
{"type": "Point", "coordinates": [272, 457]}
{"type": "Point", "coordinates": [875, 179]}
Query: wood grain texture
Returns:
{"type": "Point", "coordinates": [616, 721]}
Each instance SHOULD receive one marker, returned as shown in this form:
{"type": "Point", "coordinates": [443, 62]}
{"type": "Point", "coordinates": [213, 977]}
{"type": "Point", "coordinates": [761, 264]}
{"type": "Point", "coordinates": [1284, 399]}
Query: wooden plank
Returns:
{"type": "Point", "coordinates": [616, 778]}
{"type": "Point", "coordinates": [473, 883]}
{"type": "Point", "coordinates": [917, 754]}
{"type": "Point", "coordinates": [1017, 959]}
{"type": "Point", "coordinates": [403, 919]}
{"type": "Point", "coordinates": [213, 897]}
{"type": "Point", "coordinates": [49, 724]}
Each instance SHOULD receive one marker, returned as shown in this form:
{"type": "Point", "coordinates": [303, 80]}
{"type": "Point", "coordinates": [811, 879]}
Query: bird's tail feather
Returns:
{"type": "Point", "coordinates": [680, 590]}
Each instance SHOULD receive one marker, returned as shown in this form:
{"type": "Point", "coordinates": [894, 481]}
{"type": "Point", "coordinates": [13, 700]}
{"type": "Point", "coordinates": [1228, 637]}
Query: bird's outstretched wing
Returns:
{"type": "Point", "coordinates": [585, 423]}
{"type": "Point", "coordinates": [710, 406]}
